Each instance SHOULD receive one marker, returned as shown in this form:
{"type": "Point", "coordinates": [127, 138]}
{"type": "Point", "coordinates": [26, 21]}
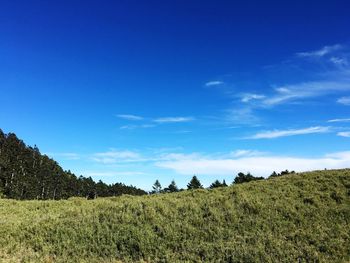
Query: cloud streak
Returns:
{"type": "Point", "coordinates": [251, 96]}
{"type": "Point", "coordinates": [306, 90]}
{"type": "Point", "coordinates": [132, 127]}
{"type": "Point", "coordinates": [344, 101]}
{"type": "Point", "coordinates": [328, 75]}
{"type": "Point", "coordinates": [130, 117]}
{"type": "Point", "coordinates": [339, 120]}
{"type": "Point", "coordinates": [113, 156]}
{"type": "Point", "coordinates": [320, 52]}
{"type": "Point", "coordinates": [173, 119]}
{"type": "Point", "coordinates": [260, 165]}
{"type": "Point", "coordinates": [344, 134]}
{"type": "Point", "coordinates": [284, 133]}
{"type": "Point", "coordinates": [339, 61]}
{"type": "Point", "coordinates": [214, 83]}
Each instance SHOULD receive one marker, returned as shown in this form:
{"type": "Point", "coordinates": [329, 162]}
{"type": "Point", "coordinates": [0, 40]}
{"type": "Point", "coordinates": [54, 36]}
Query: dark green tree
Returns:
{"type": "Point", "coordinates": [194, 183]}
{"type": "Point", "coordinates": [285, 172]}
{"type": "Point", "coordinates": [27, 174]}
{"type": "Point", "coordinates": [274, 174]}
{"type": "Point", "coordinates": [172, 187]}
{"type": "Point", "coordinates": [244, 178]}
{"type": "Point", "coordinates": [157, 187]}
{"type": "Point", "coordinates": [217, 183]}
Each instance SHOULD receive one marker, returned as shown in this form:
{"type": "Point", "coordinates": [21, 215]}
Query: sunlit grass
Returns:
{"type": "Point", "coordinates": [293, 218]}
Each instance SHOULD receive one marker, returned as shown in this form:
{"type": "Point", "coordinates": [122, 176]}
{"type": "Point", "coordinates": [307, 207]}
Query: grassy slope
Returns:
{"type": "Point", "coordinates": [304, 216]}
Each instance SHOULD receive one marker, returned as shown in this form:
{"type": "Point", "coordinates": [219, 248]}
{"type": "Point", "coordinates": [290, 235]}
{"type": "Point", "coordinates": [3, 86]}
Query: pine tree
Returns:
{"type": "Point", "coordinates": [244, 178]}
{"type": "Point", "coordinates": [194, 183]}
{"type": "Point", "coordinates": [172, 187]}
{"type": "Point", "coordinates": [157, 187]}
{"type": "Point", "coordinates": [274, 174]}
{"type": "Point", "coordinates": [217, 183]}
{"type": "Point", "coordinates": [27, 174]}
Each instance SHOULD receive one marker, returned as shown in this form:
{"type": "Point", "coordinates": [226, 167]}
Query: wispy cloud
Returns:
{"type": "Point", "coordinates": [344, 134]}
{"type": "Point", "coordinates": [245, 153]}
{"type": "Point", "coordinates": [150, 122]}
{"type": "Point", "coordinates": [214, 83]}
{"type": "Point", "coordinates": [344, 100]}
{"type": "Point", "coordinates": [306, 90]}
{"type": "Point", "coordinates": [130, 117]}
{"type": "Point", "coordinates": [320, 52]}
{"type": "Point", "coordinates": [173, 119]}
{"type": "Point", "coordinates": [246, 97]}
{"type": "Point", "coordinates": [259, 165]}
{"type": "Point", "coordinates": [328, 75]}
{"type": "Point", "coordinates": [339, 61]}
{"type": "Point", "coordinates": [339, 120]}
{"type": "Point", "coordinates": [114, 156]}
{"type": "Point", "coordinates": [132, 127]}
{"type": "Point", "coordinates": [244, 115]}
{"type": "Point", "coordinates": [283, 133]}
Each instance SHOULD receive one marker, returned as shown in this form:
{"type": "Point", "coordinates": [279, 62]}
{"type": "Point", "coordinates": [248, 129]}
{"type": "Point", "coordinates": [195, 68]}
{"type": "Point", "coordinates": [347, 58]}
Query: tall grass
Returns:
{"type": "Point", "coordinates": [295, 218]}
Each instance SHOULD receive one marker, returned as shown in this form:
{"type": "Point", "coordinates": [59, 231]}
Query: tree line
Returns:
{"type": "Point", "coordinates": [25, 173]}
{"type": "Point", "coordinates": [196, 184]}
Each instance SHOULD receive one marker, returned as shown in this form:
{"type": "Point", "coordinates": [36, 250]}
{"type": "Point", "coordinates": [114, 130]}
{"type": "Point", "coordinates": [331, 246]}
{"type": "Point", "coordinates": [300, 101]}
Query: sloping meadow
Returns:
{"type": "Point", "coordinates": [294, 218]}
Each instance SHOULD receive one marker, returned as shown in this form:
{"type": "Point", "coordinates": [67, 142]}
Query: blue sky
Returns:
{"type": "Point", "coordinates": [135, 91]}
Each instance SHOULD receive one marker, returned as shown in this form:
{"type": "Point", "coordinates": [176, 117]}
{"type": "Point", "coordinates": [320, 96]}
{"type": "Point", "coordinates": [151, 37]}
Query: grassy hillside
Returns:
{"type": "Point", "coordinates": [294, 218]}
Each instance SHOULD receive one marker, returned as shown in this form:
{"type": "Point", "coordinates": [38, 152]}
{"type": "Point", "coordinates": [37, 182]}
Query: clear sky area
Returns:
{"type": "Point", "coordinates": [134, 91]}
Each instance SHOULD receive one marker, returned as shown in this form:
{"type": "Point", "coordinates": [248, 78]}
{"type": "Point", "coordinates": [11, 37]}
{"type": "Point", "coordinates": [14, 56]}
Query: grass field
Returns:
{"type": "Point", "coordinates": [295, 218]}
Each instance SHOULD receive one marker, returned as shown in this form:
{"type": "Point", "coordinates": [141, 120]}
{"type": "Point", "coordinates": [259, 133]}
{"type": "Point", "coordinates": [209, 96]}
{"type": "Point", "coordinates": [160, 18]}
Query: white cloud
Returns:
{"type": "Point", "coordinates": [177, 156]}
{"type": "Point", "coordinates": [344, 100]}
{"type": "Point", "coordinates": [259, 166]}
{"type": "Point", "coordinates": [284, 133]}
{"type": "Point", "coordinates": [329, 75]}
{"type": "Point", "coordinates": [344, 134]}
{"type": "Point", "coordinates": [338, 61]}
{"type": "Point", "coordinates": [320, 52]}
{"type": "Point", "coordinates": [250, 96]}
{"type": "Point", "coordinates": [130, 117]}
{"type": "Point", "coordinates": [242, 115]}
{"type": "Point", "coordinates": [245, 153]}
{"type": "Point", "coordinates": [339, 120]}
{"type": "Point", "coordinates": [132, 127]}
{"type": "Point", "coordinates": [306, 90]}
{"type": "Point", "coordinates": [173, 119]}
{"type": "Point", "coordinates": [335, 79]}
{"type": "Point", "coordinates": [213, 83]}
{"type": "Point", "coordinates": [114, 156]}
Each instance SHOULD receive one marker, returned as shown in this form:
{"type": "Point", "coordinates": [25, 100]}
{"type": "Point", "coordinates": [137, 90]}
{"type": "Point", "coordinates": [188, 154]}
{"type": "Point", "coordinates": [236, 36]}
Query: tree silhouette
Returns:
{"type": "Point", "coordinates": [172, 187]}
{"type": "Point", "coordinates": [285, 172]}
{"type": "Point", "coordinates": [157, 187]}
{"type": "Point", "coordinates": [217, 183]}
{"type": "Point", "coordinates": [244, 178]}
{"type": "Point", "coordinates": [27, 174]}
{"type": "Point", "coordinates": [194, 183]}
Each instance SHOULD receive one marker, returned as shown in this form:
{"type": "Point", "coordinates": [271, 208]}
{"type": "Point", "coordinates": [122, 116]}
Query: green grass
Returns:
{"type": "Point", "coordinates": [295, 218]}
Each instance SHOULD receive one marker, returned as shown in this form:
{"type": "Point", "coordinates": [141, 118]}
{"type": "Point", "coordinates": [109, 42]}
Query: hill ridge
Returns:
{"type": "Point", "coordinates": [294, 218]}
